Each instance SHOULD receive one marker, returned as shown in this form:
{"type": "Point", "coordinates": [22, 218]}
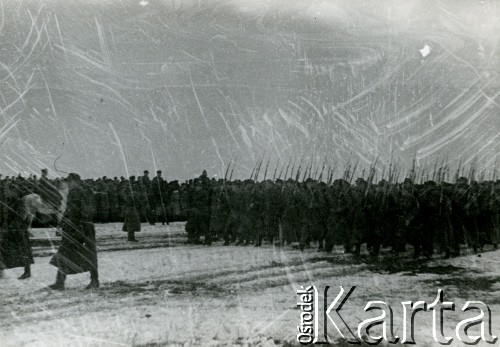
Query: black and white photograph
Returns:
{"type": "Point", "coordinates": [249, 172]}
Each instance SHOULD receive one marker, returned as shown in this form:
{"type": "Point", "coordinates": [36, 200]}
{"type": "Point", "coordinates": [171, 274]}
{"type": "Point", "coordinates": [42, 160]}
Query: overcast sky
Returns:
{"type": "Point", "coordinates": [115, 87]}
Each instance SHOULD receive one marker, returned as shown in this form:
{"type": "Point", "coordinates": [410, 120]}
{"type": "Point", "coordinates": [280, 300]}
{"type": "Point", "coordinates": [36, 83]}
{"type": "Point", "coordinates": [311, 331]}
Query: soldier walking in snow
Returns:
{"type": "Point", "coordinates": [77, 252]}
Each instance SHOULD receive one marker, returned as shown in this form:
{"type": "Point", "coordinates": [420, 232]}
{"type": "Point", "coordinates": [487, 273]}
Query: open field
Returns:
{"type": "Point", "coordinates": [160, 291]}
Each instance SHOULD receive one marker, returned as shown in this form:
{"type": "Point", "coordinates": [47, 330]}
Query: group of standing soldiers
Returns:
{"type": "Point", "coordinates": [428, 216]}
{"type": "Point", "coordinates": [77, 252]}
{"type": "Point", "coordinates": [47, 189]}
{"type": "Point", "coordinates": [114, 197]}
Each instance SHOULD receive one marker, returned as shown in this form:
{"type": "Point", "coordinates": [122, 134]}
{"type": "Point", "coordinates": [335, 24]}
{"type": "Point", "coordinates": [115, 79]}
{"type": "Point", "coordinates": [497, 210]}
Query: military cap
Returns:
{"type": "Point", "coordinates": [73, 177]}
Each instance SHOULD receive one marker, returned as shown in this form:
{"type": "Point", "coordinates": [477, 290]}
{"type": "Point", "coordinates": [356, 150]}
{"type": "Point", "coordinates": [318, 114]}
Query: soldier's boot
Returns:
{"type": "Point", "coordinates": [329, 242]}
{"type": "Point", "coordinates": [347, 248]}
{"type": "Point", "coordinates": [60, 279]}
{"type": "Point", "coordinates": [357, 249]}
{"type": "Point", "coordinates": [151, 219]}
{"type": "Point", "coordinates": [94, 280]}
{"type": "Point", "coordinates": [26, 274]}
{"type": "Point", "coordinates": [416, 253]}
{"type": "Point", "coordinates": [193, 241]}
{"type": "Point", "coordinates": [233, 234]}
{"type": "Point", "coordinates": [375, 251]}
{"type": "Point", "coordinates": [447, 253]}
{"type": "Point", "coordinates": [328, 246]}
{"type": "Point", "coordinates": [428, 250]}
{"type": "Point", "coordinates": [416, 250]}
{"type": "Point", "coordinates": [208, 239]}
{"type": "Point", "coordinates": [131, 237]}
{"type": "Point", "coordinates": [258, 241]}
{"type": "Point", "coordinates": [226, 238]}
{"type": "Point", "coordinates": [321, 246]}
{"type": "Point", "coordinates": [474, 247]}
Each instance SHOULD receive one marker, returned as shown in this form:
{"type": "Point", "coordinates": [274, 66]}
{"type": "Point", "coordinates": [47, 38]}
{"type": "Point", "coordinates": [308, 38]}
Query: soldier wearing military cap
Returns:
{"type": "Point", "coordinates": [146, 210]}
{"type": "Point", "coordinates": [160, 197]}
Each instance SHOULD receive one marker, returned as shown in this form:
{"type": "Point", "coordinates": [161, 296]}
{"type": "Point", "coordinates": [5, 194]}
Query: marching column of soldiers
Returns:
{"type": "Point", "coordinates": [432, 217]}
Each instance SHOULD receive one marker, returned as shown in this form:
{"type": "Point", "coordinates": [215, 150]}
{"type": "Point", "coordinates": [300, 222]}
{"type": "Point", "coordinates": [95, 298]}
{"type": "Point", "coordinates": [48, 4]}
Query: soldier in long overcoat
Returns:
{"type": "Point", "coordinates": [231, 230]}
{"type": "Point", "coordinates": [148, 206]}
{"type": "Point", "coordinates": [198, 223]}
{"type": "Point", "coordinates": [273, 209]}
{"type": "Point", "coordinates": [293, 213]}
{"type": "Point", "coordinates": [130, 197]}
{"type": "Point", "coordinates": [406, 210]}
{"type": "Point", "coordinates": [219, 210]}
{"type": "Point", "coordinates": [102, 200]}
{"type": "Point", "coordinates": [114, 200]}
{"type": "Point", "coordinates": [77, 253]}
{"type": "Point", "coordinates": [15, 247]}
{"type": "Point", "coordinates": [360, 215]}
{"type": "Point", "coordinates": [314, 226]}
{"type": "Point", "coordinates": [159, 198]}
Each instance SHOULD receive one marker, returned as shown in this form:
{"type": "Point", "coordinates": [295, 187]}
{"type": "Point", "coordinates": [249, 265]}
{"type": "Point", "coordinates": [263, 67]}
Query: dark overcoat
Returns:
{"type": "Point", "coordinates": [131, 200]}
{"type": "Point", "coordinates": [77, 252]}
{"type": "Point", "coordinates": [15, 247]}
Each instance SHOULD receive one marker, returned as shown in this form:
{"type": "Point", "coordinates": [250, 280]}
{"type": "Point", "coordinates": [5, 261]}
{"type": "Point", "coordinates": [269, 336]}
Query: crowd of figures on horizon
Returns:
{"type": "Point", "coordinates": [432, 217]}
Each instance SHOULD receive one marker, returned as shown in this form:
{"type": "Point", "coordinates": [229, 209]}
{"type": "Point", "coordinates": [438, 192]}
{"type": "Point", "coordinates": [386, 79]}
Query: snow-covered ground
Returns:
{"type": "Point", "coordinates": [163, 292]}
